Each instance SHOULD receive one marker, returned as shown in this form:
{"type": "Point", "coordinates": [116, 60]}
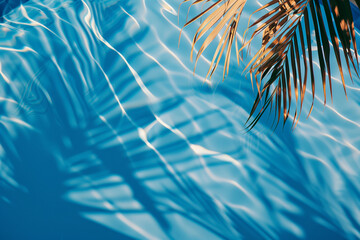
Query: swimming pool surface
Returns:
{"type": "Point", "coordinates": [106, 133]}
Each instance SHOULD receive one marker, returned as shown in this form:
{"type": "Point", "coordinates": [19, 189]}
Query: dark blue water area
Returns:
{"type": "Point", "coordinates": [106, 133]}
{"type": "Point", "coordinates": [7, 5]}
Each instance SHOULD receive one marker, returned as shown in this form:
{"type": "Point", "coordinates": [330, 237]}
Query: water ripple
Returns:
{"type": "Point", "coordinates": [107, 131]}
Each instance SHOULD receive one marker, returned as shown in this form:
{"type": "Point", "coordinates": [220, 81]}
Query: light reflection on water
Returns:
{"type": "Point", "coordinates": [106, 132]}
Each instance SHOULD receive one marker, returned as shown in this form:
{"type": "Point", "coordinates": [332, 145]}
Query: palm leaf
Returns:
{"type": "Point", "coordinates": [223, 19]}
{"type": "Point", "coordinates": [284, 63]}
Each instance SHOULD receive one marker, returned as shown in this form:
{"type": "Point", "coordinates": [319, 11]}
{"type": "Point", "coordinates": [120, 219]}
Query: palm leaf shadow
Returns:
{"type": "Point", "coordinates": [198, 206]}
{"type": "Point", "coordinates": [47, 214]}
{"type": "Point", "coordinates": [37, 209]}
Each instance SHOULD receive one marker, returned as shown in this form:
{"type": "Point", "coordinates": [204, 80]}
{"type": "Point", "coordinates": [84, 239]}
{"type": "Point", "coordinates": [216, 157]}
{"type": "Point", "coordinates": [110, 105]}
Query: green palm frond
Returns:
{"type": "Point", "coordinates": [284, 63]}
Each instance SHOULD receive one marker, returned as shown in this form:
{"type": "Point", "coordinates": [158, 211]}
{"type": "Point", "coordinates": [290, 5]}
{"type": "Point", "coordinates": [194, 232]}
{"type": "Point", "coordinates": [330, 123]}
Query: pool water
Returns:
{"type": "Point", "coordinates": [107, 133]}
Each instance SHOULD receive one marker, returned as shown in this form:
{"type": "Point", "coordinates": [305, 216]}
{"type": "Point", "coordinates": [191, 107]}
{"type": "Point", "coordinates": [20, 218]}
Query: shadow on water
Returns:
{"type": "Point", "coordinates": [7, 5]}
{"type": "Point", "coordinates": [41, 211]}
{"type": "Point", "coordinates": [38, 210]}
{"type": "Point", "coordinates": [290, 170]}
{"type": "Point", "coordinates": [222, 220]}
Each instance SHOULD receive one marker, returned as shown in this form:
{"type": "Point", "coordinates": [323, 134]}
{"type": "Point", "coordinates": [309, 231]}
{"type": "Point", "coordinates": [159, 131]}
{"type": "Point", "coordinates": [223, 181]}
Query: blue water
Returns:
{"type": "Point", "coordinates": [106, 133]}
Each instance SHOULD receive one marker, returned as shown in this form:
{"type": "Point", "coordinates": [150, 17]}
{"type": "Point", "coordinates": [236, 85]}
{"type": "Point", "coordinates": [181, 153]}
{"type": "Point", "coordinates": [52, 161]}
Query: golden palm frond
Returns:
{"type": "Point", "coordinates": [224, 17]}
{"type": "Point", "coordinates": [286, 55]}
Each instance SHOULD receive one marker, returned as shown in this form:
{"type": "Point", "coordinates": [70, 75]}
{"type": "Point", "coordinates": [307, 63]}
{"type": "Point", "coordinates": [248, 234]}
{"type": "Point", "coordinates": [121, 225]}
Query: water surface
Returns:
{"type": "Point", "coordinates": [106, 133]}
